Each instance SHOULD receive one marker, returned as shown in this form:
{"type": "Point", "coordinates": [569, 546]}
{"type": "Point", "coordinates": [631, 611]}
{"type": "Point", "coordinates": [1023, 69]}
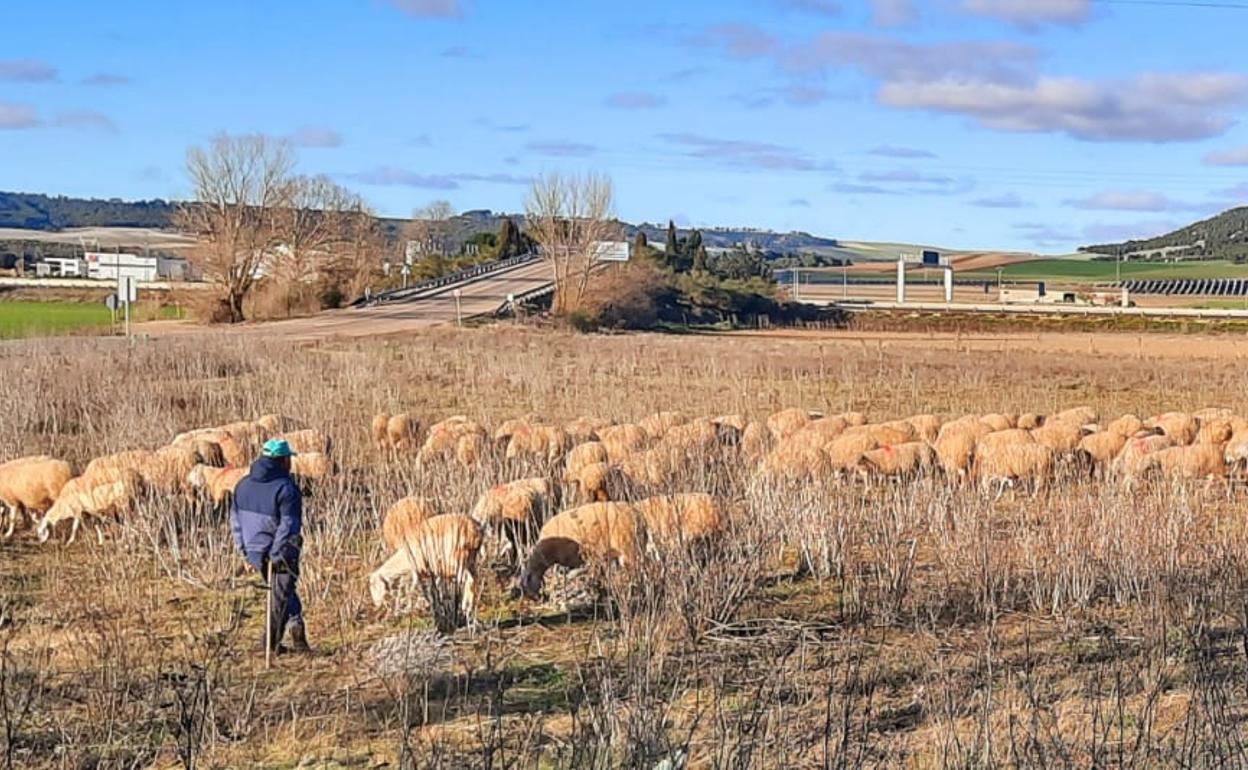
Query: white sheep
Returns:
{"type": "Point", "coordinates": [30, 486]}
{"type": "Point", "coordinates": [441, 554]}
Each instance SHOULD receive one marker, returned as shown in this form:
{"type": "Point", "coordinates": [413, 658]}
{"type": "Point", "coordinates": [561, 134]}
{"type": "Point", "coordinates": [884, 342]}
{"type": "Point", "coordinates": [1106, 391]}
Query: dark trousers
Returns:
{"type": "Point", "coordinates": [285, 607]}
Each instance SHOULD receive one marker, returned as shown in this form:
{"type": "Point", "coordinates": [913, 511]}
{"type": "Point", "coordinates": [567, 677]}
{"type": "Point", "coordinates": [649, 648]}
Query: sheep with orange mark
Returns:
{"type": "Point", "coordinates": [697, 438]}
{"type": "Point", "coordinates": [29, 486]}
{"type": "Point", "coordinates": [1131, 461]}
{"type": "Point", "coordinates": [1179, 426]}
{"type": "Point", "coordinates": [109, 494]}
{"type": "Point", "coordinates": [308, 467]}
{"type": "Point", "coordinates": [600, 533]}
{"type": "Point", "coordinates": [441, 555]}
{"type": "Point", "coordinates": [899, 461]}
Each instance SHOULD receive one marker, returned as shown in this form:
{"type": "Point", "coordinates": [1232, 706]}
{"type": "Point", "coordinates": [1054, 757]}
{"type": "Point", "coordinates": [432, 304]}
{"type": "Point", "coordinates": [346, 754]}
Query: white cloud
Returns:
{"type": "Point", "coordinates": [84, 119]}
{"type": "Point", "coordinates": [15, 116]}
{"type": "Point", "coordinates": [1235, 157]}
{"type": "Point", "coordinates": [26, 71]}
{"type": "Point", "coordinates": [1031, 13]}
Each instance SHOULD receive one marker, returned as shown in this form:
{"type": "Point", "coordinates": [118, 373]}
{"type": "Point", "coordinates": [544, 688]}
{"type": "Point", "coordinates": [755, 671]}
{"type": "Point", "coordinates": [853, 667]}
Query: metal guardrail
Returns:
{"type": "Point", "coordinates": [508, 306]}
{"type": "Point", "coordinates": [411, 291]}
{"type": "Point", "coordinates": [1028, 309]}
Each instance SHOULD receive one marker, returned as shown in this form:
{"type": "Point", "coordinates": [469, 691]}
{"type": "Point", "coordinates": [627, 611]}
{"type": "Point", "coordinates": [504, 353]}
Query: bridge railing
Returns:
{"type": "Point", "coordinates": [508, 305]}
{"type": "Point", "coordinates": [407, 292]}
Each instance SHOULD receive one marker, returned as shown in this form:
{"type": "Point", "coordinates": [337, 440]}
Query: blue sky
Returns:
{"type": "Point", "coordinates": [1035, 125]}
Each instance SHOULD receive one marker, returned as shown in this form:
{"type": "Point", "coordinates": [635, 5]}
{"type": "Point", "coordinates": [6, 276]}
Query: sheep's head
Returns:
{"type": "Point", "coordinates": [377, 588]}
{"type": "Point", "coordinates": [530, 583]}
{"type": "Point", "coordinates": [197, 477]}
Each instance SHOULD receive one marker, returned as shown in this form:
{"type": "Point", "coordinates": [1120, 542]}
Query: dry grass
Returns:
{"type": "Point", "coordinates": [917, 625]}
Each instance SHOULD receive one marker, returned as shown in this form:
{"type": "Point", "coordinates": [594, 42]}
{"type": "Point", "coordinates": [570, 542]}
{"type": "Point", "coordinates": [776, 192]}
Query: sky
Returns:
{"type": "Point", "coordinates": [1033, 125]}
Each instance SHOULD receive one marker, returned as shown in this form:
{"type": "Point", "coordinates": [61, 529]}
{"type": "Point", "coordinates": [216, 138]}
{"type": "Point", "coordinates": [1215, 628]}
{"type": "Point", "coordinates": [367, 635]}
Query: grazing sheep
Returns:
{"type": "Point", "coordinates": [308, 441]}
{"type": "Point", "coordinates": [853, 418]}
{"type": "Point", "coordinates": [1194, 461]}
{"type": "Point", "coordinates": [991, 442]}
{"type": "Point", "coordinates": [1126, 426]}
{"type": "Point", "coordinates": [926, 426]}
{"type": "Point", "coordinates": [311, 466]}
{"type": "Point", "coordinates": [1013, 463]}
{"type": "Point", "coordinates": [1180, 427]}
{"type": "Point", "coordinates": [401, 431]}
{"type": "Point", "coordinates": [581, 455]}
{"type": "Point", "coordinates": [620, 441]}
{"type": "Point", "coordinates": [604, 533]}
{"type": "Point", "coordinates": [699, 437]}
{"type": "Point", "coordinates": [907, 460]}
{"type": "Point", "coordinates": [999, 422]}
{"type": "Point", "coordinates": [683, 521]}
{"type": "Point", "coordinates": [1030, 421]}
{"type": "Point", "coordinates": [1078, 415]}
{"type": "Point", "coordinates": [592, 483]}
{"type": "Point", "coordinates": [1133, 457]}
{"type": "Point", "coordinates": [517, 509]}
{"type": "Point", "coordinates": [1060, 436]}
{"type": "Point", "coordinates": [657, 425]}
{"type": "Point", "coordinates": [164, 470]}
{"type": "Point", "coordinates": [381, 439]}
{"type": "Point", "coordinates": [756, 441]}
{"type": "Point", "coordinates": [827, 428]}
{"type": "Point", "coordinates": [955, 445]}
{"type": "Point", "coordinates": [470, 449]}
{"type": "Point", "coordinates": [110, 494]}
{"type": "Point", "coordinates": [844, 451]}
{"type": "Point", "coordinates": [402, 519]}
{"type": "Point", "coordinates": [545, 443]}
{"type": "Point", "coordinates": [446, 441]}
{"type": "Point", "coordinates": [218, 482]}
{"type": "Point", "coordinates": [441, 554]}
{"type": "Point", "coordinates": [584, 429]}
{"type": "Point", "coordinates": [1099, 449]}
{"type": "Point", "coordinates": [896, 432]}
{"type": "Point", "coordinates": [737, 421]}
{"type": "Point", "coordinates": [274, 424]}
{"type": "Point", "coordinates": [1215, 430]}
{"type": "Point", "coordinates": [786, 422]}
{"type": "Point", "coordinates": [30, 486]}
{"type": "Point", "coordinates": [796, 462]}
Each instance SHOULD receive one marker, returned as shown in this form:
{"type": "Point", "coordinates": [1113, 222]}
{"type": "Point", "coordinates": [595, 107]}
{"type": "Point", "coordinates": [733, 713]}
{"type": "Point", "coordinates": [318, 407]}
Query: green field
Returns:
{"type": "Point", "coordinates": [1082, 271]}
{"type": "Point", "coordinates": [38, 319]}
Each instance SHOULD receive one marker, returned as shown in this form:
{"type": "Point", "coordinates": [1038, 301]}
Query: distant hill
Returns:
{"type": "Point", "coordinates": [33, 211]}
{"type": "Point", "coordinates": [1222, 237]}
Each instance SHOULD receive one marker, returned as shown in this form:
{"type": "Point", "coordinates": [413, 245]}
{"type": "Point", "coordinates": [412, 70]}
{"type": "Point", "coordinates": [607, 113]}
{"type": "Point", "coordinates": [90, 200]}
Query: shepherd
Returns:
{"type": "Point", "coordinates": [267, 521]}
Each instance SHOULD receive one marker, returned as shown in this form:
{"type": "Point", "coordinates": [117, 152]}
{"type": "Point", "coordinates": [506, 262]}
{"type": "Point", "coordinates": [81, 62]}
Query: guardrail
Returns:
{"type": "Point", "coordinates": [409, 292]}
{"type": "Point", "coordinates": [519, 299]}
{"type": "Point", "coordinates": [1052, 309]}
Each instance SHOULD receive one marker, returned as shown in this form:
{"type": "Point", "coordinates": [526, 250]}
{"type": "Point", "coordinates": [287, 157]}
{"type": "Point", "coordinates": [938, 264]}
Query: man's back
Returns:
{"type": "Point", "coordinates": [267, 512]}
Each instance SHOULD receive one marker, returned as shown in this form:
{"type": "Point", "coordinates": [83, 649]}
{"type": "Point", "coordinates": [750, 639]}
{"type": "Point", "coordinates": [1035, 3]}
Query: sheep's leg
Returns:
{"type": "Point", "coordinates": [468, 597]}
{"type": "Point", "coordinates": [99, 533]}
{"type": "Point", "coordinates": [73, 531]}
{"type": "Point", "coordinates": [12, 513]}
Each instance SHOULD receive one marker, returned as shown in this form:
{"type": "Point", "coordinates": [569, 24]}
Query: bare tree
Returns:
{"type": "Point", "coordinates": [567, 216]}
{"type": "Point", "coordinates": [242, 188]}
{"type": "Point", "coordinates": [429, 226]}
{"type": "Point", "coordinates": [316, 234]}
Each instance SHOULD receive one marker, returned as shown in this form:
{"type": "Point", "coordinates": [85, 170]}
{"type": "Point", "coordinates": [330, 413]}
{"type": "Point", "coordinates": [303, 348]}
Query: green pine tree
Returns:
{"type": "Point", "coordinates": [673, 245]}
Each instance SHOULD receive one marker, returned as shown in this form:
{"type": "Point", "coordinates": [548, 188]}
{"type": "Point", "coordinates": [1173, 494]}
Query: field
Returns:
{"type": "Point", "coordinates": [920, 624]}
{"type": "Point", "coordinates": [1075, 271]}
{"type": "Point", "coordinates": [30, 318]}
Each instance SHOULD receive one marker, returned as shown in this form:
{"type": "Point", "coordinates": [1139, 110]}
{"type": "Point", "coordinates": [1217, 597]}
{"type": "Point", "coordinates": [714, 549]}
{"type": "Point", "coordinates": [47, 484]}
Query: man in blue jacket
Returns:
{"type": "Point", "coordinates": [267, 520]}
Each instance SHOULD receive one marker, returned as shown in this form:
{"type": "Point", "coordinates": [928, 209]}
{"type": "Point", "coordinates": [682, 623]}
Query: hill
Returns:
{"type": "Point", "coordinates": [1222, 237]}
{"type": "Point", "coordinates": [34, 211]}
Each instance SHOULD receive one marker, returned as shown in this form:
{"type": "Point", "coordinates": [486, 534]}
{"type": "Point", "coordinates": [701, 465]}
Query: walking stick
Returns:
{"type": "Point", "coordinates": [268, 618]}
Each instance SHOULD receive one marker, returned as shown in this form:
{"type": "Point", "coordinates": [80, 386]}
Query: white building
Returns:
{"type": "Point", "coordinates": [105, 266]}
{"type": "Point", "coordinates": [61, 267]}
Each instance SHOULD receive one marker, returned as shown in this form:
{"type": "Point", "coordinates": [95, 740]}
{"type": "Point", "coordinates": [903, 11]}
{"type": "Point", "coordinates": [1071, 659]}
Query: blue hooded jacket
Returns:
{"type": "Point", "coordinates": [267, 515]}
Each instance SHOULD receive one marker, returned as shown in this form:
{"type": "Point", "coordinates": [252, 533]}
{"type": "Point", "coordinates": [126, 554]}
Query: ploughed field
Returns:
{"type": "Point", "coordinates": [895, 572]}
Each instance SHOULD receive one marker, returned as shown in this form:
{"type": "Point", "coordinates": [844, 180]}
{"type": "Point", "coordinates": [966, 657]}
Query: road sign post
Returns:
{"type": "Point", "coordinates": [459, 316]}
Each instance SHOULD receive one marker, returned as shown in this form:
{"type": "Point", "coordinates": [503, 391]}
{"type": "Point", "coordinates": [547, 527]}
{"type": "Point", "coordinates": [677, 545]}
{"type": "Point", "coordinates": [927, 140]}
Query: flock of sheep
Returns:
{"type": "Point", "coordinates": [591, 500]}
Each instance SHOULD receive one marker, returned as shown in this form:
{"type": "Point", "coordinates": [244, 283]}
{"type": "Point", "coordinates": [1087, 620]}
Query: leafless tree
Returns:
{"type": "Point", "coordinates": [242, 187]}
{"type": "Point", "coordinates": [429, 226]}
{"type": "Point", "coordinates": [567, 216]}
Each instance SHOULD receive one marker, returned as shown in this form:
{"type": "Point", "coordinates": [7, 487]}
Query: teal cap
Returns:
{"type": "Point", "coordinates": [276, 447]}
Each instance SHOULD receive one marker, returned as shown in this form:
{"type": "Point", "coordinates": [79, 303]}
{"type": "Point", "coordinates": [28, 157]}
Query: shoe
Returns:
{"type": "Point", "coordinates": [298, 637]}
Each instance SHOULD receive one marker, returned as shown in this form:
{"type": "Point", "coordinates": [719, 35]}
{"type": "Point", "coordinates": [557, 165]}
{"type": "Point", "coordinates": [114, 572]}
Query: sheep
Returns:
{"type": "Point", "coordinates": [1180, 427]}
{"type": "Point", "coordinates": [1133, 457]}
{"type": "Point", "coordinates": [1215, 430]}
{"type": "Point", "coordinates": [657, 425]}
{"type": "Point", "coordinates": [1193, 461]}
{"type": "Point", "coordinates": [897, 432]}
{"type": "Point", "coordinates": [403, 518]}
{"type": "Point", "coordinates": [991, 442]}
{"type": "Point", "coordinates": [853, 418]}
{"type": "Point", "coordinates": [999, 422]}
{"type": "Point", "coordinates": [470, 449]}
{"type": "Point", "coordinates": [844, 451]}
{"type": "Point", "coordinates": [699, 437]}
{"type": "Point", "coordinates": [517, 509]}
{"type": "Point", "coordinates": [1060, 436]}
{"type": "Point", "coordinates": [1099, 449]}
{"type": "Point", "coordinates": [737, 421]}
{"type": "Point", "coordinates": [1013, 463]}
{"type": "Point", "coordinates": [219, 482]}
{"type": "Point", "coordinates": [926, 426]}
{"type": "Point", "coordinates": [30, 486]}
{"type": "Point", "coordinates": [441, 553]}
{"type": "Point", "coordinates": [164, 470]}
{"type": "Point", "coordinates": [827, 428]}
{"type": "Point", "coordinates": [605, 533]}
{"type": "Point", "coordinates": [1126, 426]}
{"type": "Point", "coordinates": [215, 447]}
{"type": "Point", "coordinates": [584, 429]}
{"type": "Point", "coordinates": [446, 441]}
{"type": "Point", "coordinates": [1214, 413]}
{"type": "Point", "coordinates": [401, 431]}
{"type": "Point", "coordinates": [897, 461]}
{"type": "Point", "coordinates": [795, 462]}
{"type": "Point", "coordinates": [786, 422]}
{"type": "Point", "coordinates": [308, 441]}
{"type": "Point", "coordinates": [592, 483]}
{"type": "Point", "coordinates": [1077, 415]}
{"type": "Point", "coordinates": [955, 446]}
{"type": "Point", "coordinates": [1030, 421]}
{"type": "Point", "coordinates": [546, 443]}
{"type": "Point", "coordinates": [620, 441]}
{"type": "Point", "coordinates": [311, 466]}
{"type": "Point", "coordinates": [381, 439]}
{"type": "Point", "coordinates": [279, 423]}
{"type": "Point", "coordinates": [688, 521]}
{"type": "Point", "coordinates": [649, 468]}
{"type": "Point", "coordinates": [581, 455]}
{"type": "Point", "coordinates": [756, 441]}
{"type": "Point", "coordinates": [110, 494]}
